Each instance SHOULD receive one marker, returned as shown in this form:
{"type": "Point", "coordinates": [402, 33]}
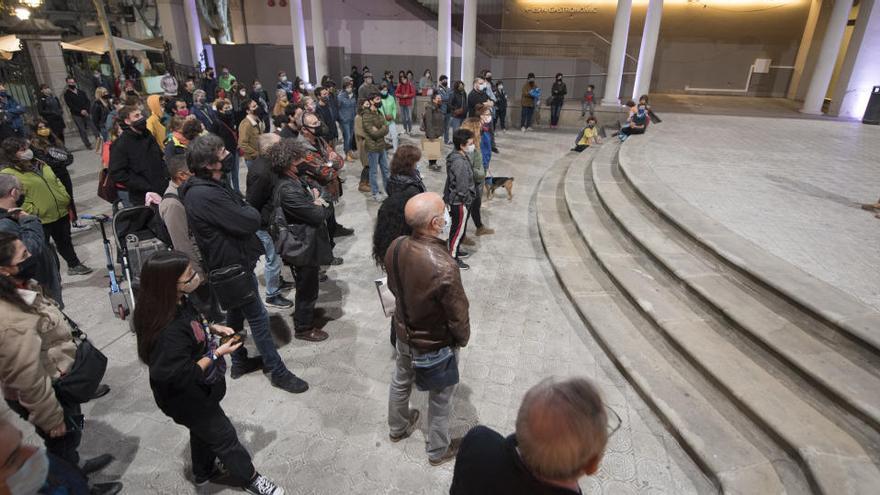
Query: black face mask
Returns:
{"type": "Point", "coordinates": [317, 131]}
{"type": "Point", "coordinates": [139, 125]}
{"type": "Point", "coordinates": [444, 83]}
{"type": "Point", "coordinates": [20, 201]}
{"type": "Point", "coordinates": [71, 86]}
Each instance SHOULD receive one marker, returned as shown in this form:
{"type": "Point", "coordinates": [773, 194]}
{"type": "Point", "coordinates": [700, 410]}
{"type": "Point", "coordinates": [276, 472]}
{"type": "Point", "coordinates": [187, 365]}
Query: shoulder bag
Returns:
{"type": "Point", "coordinates": [434, 370]}
{"type": "Point", "coordinates": [79, 384]}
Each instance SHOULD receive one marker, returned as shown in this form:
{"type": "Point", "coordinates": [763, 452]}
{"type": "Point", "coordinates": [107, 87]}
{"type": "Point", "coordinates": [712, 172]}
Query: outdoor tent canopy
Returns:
{"type": "Point", "coordinates": [98, 45]}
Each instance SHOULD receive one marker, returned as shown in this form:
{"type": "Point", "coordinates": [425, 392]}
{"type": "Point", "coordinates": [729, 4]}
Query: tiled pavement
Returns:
{"type": "Point", "coordinates": [791, 186]}
{"type": "Point", "coordinates": [333, 438]}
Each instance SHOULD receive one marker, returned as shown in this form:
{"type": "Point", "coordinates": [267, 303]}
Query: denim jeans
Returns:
{"type": "Point", "coordinates": [406, 116]}
{"type": "Point", "coordinates": [378, 159]}
{"type": "Point", "coordinates": [233, 174]}
{"type": "Point", "coordinates": [446, 120]}
{"type": "Point", "coordinates": [347, 135]}
{"type": "Point", "coordinates": [258, 320]}
{"type": "Point", "coordinates": [439, 404]}
{"type": "Point", "coordinates": [65, 447]}
{"type": "Point", "coordinates": [272, 272]}
{"type": "Point", "coordinates": [456, 123]}
{"type": "Point", "coordinates": [392, 131]}
{"type": "Point", "coordinates": [525, 119]}
{"type": "Point", "coordinates": [555, 110]}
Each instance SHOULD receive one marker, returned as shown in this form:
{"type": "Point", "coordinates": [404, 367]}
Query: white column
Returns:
{"type": "Point", "coordinates": [648, 49]}
{"type": "Point", "coordinates": [318, 41]}
{"type": "Point", "coordinates": [804, 48]}
{"type": "Point", "coordinates": [618, 54]}
{"type": "Point", "coordinates": [860, 70]}
{"type": "Point", "coordinates": [194, 29]}
{"type": "Point", "coordinates": [827, 57]}
{"type": "Point", "coordinates": [444, 39]}
{"type": "Point", "coordinates": [298, 26]}
{"type": "Point", "coordinates": [468, 42]}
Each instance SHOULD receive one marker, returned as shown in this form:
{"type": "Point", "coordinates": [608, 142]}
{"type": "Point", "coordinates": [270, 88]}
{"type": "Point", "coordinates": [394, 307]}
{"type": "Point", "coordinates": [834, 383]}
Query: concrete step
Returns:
{"type": "Point", "coordinates": [849, 317]}
{"type": "Point", "coordinates": [720, 439]}
{"type": "Point", "coordinates": [832, 458]}
{"type": "Point", "coordinates": [841, 371]}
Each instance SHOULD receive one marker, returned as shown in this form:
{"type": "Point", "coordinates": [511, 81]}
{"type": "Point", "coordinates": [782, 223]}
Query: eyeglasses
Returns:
{"type": "Point", "coordinates": [614, 421]}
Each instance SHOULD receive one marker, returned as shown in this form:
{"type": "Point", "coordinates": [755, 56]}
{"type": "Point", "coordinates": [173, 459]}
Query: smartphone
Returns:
{"type": "Point", "coordinates": [235, 338]}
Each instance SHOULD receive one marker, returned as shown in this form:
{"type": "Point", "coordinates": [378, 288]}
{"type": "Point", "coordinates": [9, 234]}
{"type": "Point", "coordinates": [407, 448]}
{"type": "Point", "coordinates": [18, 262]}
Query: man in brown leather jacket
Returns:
{"type": "Point", "coordinates": [430, 294]}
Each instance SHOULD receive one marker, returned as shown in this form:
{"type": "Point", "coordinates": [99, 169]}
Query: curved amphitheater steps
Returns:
{"type": "Point", "coordinates": [750, 383]}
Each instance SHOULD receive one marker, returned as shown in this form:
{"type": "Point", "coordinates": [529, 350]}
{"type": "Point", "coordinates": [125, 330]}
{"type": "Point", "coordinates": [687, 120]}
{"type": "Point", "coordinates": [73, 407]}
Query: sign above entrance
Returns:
{"type": "Point", "coordinates": [589, 9]}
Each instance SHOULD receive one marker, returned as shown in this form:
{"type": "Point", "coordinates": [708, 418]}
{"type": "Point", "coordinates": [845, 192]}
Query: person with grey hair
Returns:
{"type": "Point", "coordinates": [203, 111]}
{"type": "Point", "coordinates": [42, 265]}
{"type": "Point", "coordinates": [225, 228]}
{"type": "Point", "coordinates": [561, 435]}
{"type": "Point", "coordinates": [431, 321]}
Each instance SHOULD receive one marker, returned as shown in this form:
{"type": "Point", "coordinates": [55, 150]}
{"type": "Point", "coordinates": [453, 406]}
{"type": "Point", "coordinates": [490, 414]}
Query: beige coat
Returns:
{"type": "Point", "coordinates": [35, 348]}
{"type": "Point", "coordinates": [248, 135]}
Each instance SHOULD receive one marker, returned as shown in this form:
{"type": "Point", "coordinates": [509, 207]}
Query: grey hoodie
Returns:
{"type": "Point", "coordinates": [459, 188]}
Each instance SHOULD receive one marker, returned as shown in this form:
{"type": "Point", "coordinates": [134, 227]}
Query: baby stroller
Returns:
{"type": "Point", "coordinates": [139, 232]}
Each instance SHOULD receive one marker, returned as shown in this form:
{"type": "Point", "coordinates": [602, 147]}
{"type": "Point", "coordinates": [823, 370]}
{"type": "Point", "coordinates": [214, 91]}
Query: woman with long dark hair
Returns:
{"type": "Point", "coordinates": [187, 368]}
{"type": "Point", "coordinates": [38, 348]}
{"type": "Point", "coordinates": [405, 182]}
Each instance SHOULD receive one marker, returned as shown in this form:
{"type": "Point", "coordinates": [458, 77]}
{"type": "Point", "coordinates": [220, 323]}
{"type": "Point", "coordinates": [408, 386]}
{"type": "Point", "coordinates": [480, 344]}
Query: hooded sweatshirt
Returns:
{"type": "Point", "coordinates": [154, 122]}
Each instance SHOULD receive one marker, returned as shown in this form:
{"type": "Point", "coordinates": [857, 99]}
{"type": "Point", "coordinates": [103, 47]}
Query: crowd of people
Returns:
{"type": "Point", "coordinates": [181, 150]}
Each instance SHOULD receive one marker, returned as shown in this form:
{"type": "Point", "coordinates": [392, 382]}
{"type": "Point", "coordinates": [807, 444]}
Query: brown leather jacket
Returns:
{"type": "Point", "coordinates": [436, 305]}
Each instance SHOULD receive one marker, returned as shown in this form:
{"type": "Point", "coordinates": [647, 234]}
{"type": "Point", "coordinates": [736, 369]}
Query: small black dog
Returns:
{"type": "Point", "coordinates": [505, 182]}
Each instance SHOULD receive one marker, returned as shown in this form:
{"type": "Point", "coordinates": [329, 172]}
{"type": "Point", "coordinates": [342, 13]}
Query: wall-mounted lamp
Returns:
{"type": "Point", "coordinates": [22, 13]}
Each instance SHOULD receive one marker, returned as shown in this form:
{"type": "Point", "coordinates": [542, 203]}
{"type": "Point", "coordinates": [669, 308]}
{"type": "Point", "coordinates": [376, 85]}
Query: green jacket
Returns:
{"type": "Point", "coordinates": [389, 107]}
{"type": "Point", "coordinates": [477, 166]}
{"type": "Point", "coordinates": [375, 139]}
{"type": "Point", "coordinates": [44, 195]}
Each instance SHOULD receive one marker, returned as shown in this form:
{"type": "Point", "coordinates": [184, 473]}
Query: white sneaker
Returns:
{"type": "Point", "coordinates": [79, 227]}
{"type": "Point", "coordinates": [523, 129]}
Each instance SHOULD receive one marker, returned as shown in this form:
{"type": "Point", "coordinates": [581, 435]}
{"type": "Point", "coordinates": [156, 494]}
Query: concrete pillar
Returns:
{"type": "Point", "coordinates": [827, 57]}
{"type": "Point", "coordinates": [468, 42]}
{"type": "Point", "coordinates": [444, 40]}
{"type": "Point", "coordinates": [318, 41]}
{"type": "Point", "coordinates": [173, 26]}
{"type": "Point", "coordinates": [617, 54]}
{"type": "Point", "coordinates": [298, 26]}
{"type": "Point", "coordinates": [804, 48]}
{"type": "Point", "coordinates": [648, 49]}
{"type": "Point", "coordinates": [194, 29]}
{"type": "Point", "coordinates": [860, 70]}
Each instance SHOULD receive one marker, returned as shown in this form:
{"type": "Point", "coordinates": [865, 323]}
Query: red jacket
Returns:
{"type": "Point", "coordinates": [405, 93]}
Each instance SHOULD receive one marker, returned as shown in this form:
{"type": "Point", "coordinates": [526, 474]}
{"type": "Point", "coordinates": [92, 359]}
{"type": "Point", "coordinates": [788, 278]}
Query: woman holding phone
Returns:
{"type": "Point", "coordinates": [187, 368]}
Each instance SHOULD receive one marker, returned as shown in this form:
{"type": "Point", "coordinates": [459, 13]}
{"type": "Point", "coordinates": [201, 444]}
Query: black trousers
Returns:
{"type": "Point", "coordinates": [83, 125]}
{"type": "Point", "coordinates": [306, 279]}
{"type": "Point", "coordinates": [212, 436]}
{"type": "Point", "coordinates": [580, 147]}
{"type": "Point", "coordinates": [64, 176]}
{"type": "Point", "coordinates": [65, 447]}
{"type": "Point", "coordinates": [475, 206]}
{"type": "Point", "coordinates": [500, 119]}
{"type": "Point", "coordinates": [59, 231]}
{"type": "Point", "coordinates": [459, 214]}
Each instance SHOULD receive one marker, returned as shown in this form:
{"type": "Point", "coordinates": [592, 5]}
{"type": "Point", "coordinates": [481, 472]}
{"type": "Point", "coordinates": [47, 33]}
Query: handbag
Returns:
{"type": "Point", "coordinates": [434, 370]}
{"type": "Point", "coordinates": [294, 243]}
{"type": "Point", "coordinates": [106, 187]}
{"type": "Point", "coordinates": [79, 384]}
{"type": "Point", "coordinates": [233, 286]}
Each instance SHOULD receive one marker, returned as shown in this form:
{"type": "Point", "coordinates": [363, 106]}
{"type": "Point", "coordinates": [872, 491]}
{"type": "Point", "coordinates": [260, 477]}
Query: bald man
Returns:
{"type": "Point", "coordinates": [431, 322]}
{"type": "Point", "coordinates": [561, 434]}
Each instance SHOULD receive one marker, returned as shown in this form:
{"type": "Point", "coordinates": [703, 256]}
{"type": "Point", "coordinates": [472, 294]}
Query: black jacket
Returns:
{"type": "Point", "coordinates": [50, 109]}
{"type": "Point", "coordinates": [260, 186]}
{"type": "Point", "coordinates": [328, 118]}
{"type": "Point", "coordinates": [227, 131]}
{"type": "Point", "coordinates": [474, 99]}
{"type": "Point", "coordinates": [458, 100]}
{"type": "Point", "coordinates": [298, 206]}
{"type": "Point", "coordinates": [137, 162]}
{"type": "Point", "coordinates": [558, 92]}
{"type": "Point", "coordinates": [76, 102]}
{"type": "Point", "coordinates": [99, 113]}
{"type": "Point", "coordinates": [390, 222]}
{"type": "Point", "coordinates": [178, 383]}
{"type": "Point", "coordinates": [223, 225]}
{"type": "Point", "coordinates": [405, 185]}
{"type": "Point", "coordinates": [42, 265]}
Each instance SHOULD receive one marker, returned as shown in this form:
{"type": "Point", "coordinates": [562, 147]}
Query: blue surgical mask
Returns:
{"type": "Point", "coordinates": [31, 476]}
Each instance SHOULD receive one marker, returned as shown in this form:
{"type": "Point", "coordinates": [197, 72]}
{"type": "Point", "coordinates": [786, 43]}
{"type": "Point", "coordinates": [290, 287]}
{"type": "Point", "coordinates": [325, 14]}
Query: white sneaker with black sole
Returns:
{"type": "Point", "coordinates": [262, 485]}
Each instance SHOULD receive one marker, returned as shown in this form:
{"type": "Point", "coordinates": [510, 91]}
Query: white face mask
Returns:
{"type": "Point", "coordinates": [31, 476]}
{"type": "Point", "coordinates": [471, 148]}
{"type": "Point", "coordinates": [447, 225]}
{"type": "Point", "coordinates": [26, 155]}
{"type": "Point", "coordinates": [500, 86]}
{"type": "Point", "coordinates": [283, 78]}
